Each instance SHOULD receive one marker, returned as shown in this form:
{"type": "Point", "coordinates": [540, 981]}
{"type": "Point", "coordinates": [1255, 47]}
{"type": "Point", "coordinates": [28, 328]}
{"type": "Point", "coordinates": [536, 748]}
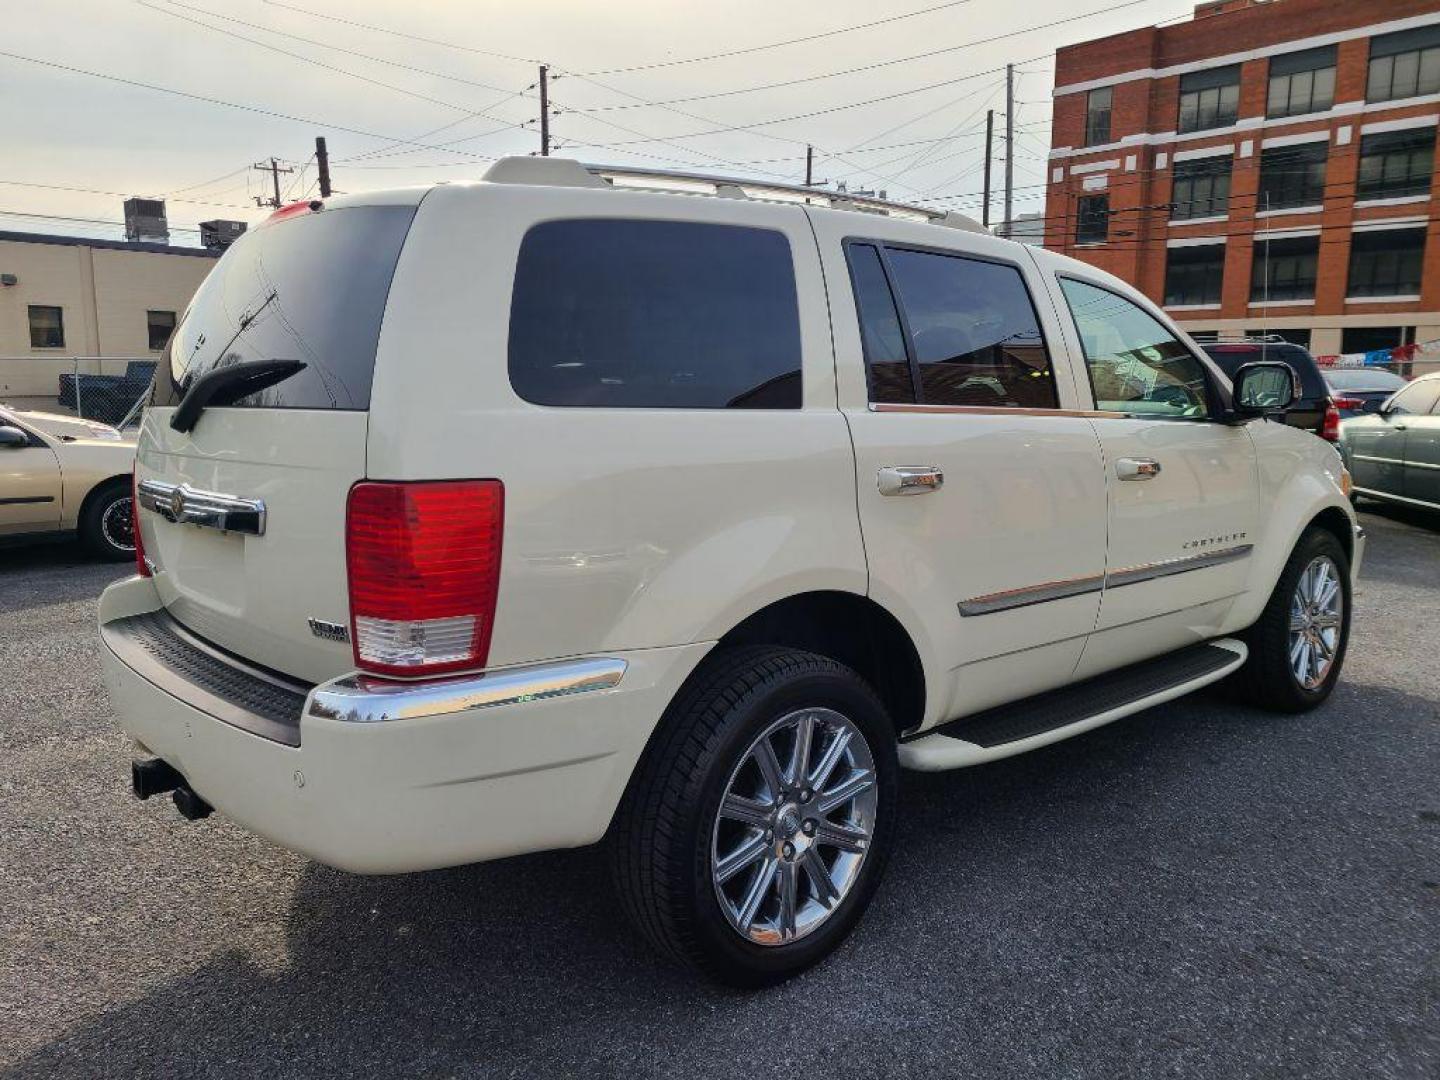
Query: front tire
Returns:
{"type": "Point", "coordinates": [1297, 646]}
{"type": "Point", "coordinates": [760, 820]}
{"type": "Point", "coordinates": [108, 524]}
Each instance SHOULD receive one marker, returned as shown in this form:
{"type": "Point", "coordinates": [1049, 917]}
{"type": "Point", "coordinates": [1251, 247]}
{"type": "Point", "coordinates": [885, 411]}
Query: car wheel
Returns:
{"type": "Point", "coordinates": [759, 822]}
{"type": "Point", "coordinates": [1297, 647]}
{"type": "Point", "coordinates": [108, 523]}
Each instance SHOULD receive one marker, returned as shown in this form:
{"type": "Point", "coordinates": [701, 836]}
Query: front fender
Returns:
{"type": "Point", "coordinates": [1298, 478]}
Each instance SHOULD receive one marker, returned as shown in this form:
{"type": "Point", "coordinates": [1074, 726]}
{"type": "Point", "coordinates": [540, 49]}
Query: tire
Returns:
{"type": "Point", "coordinates": [107, 524]}
{"type": "Point", "coordinates": [670, 842]}
{"type": "Point", "coordinates": [1269, 678]}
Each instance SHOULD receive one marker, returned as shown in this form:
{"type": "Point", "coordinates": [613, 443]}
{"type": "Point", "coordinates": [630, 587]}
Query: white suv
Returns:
{"type": "Point", "coordinates": [573, 504]}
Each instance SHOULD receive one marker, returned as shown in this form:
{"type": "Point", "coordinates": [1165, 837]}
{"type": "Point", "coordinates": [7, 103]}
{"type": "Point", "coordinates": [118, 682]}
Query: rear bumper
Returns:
{"type": "Point", "coordinates": [392, 777]}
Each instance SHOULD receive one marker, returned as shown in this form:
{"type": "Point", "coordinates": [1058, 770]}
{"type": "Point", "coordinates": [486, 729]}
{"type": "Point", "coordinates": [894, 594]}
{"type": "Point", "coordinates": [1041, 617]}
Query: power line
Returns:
{"type": "Point", "coordinates": [82, 220]}
{"type": "Point", "coordinates": [402, 34]}
{"type": "Point", "coordinates": [256, 109]}
{"type": "Point", "coordinates": [778, 44]}
{"type": "Point", "coordinates": [124, 194]}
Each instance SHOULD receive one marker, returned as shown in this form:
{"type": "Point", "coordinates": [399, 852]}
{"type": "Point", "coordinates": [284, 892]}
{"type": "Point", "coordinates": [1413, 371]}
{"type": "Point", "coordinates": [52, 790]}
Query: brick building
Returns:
{"type": "Point", "coordinates": [1265, 165]}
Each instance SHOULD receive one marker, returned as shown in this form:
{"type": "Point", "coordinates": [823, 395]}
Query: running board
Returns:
{"type": "Point", "coordinates": [1069, 710]}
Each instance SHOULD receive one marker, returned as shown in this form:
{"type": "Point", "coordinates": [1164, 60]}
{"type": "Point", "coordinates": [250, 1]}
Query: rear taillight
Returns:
{"type": "Point", "coordinates": [141, 566]}
{"type": "Point", "coordinates": [1348, 404]}
{"type": "Point", "coordinates": [424, 568]}
{"type": "Point", "coordinates": [1330, 426]}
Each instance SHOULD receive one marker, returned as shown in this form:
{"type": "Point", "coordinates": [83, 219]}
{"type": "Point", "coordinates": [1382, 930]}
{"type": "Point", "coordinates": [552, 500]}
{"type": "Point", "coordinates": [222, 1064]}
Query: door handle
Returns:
{"type": "Point", "coordinates": [909, 479]}
{"type": "Point", "coordinates": [1137, 468]}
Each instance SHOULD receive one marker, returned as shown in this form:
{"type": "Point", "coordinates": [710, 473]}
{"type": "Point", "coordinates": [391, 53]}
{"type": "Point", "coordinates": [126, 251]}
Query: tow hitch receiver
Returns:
{"type": "Point", "coordinates": [154, 777]}
{"type": "Point", "coordinates": [191, 806]}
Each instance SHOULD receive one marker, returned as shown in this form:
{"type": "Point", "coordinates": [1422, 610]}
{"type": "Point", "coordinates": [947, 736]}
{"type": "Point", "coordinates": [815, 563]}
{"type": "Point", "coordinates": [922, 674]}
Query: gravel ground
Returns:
{"type": "Point", "coordinates": [1198, 891]}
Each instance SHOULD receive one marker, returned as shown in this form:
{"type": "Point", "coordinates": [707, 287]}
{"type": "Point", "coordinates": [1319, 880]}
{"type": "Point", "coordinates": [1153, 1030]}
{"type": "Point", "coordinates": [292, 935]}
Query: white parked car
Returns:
{"type": "Point", "coordinates": [576, 504]}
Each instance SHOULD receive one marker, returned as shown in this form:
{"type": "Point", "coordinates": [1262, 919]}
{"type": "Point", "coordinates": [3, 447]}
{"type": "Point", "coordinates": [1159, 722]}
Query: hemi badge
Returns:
{"type": "Point", "coordinates": [329, 631]}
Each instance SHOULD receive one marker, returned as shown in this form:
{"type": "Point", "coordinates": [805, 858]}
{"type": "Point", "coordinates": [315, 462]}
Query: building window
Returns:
{"type": "Point", "coordinates": [1285, 269]}
{"type": "Point", "coordinates": [1209, 99]}
{"type": "Point", "coordinates": [1097, 115]}
{"type": "Point", "coordinates": [1396, 164]}
{"type": "Point", "coordinates": [1092, 219]}
{"type": "Point", "coordinates": [1364, 339]}
{"type": "Point", "coordinates": [159, 325]}
{"type": "Point", "coordinates": [1386, 262]}
{"type": "Point", "coordinates": [1194, 275]}
{"type": "Point", "coordinates": [1404, 65]}
{"type": "Point", "coordinates": [47, 327]}
{"type": "Point", "coordinates": [1302, 82]}
{"type": "Point", "coordinates": [1202, 188]}
{"type": "Point", "coordinates": [649, 314]}
{"type": "Point", "coordinates": [1292, 176]}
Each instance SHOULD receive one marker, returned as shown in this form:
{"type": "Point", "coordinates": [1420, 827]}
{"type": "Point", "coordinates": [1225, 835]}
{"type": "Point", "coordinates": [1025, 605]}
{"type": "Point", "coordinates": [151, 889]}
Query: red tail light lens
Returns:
{"type": "Point", "coordinates": [424, 569]}
{"type": "Point", "coordinates": [141, 566]}
{"type": "Point", "coordinates": [1351, 404]}
{"type": "Point", "coordinates": [1330, 426]}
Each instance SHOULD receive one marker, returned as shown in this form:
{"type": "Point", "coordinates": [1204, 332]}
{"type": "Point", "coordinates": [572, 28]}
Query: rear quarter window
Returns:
{"type": "Point", "coordinates": [617, 313]}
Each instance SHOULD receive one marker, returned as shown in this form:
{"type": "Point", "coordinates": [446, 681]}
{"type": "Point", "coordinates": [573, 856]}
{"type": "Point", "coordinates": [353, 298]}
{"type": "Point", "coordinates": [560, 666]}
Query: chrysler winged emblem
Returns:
{"type": "Point", "coordinates": [177, 503]}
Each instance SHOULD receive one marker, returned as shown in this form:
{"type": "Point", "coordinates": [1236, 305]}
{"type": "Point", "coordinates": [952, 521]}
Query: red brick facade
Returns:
{"type": "Point", "coordinates": [1134, 166]}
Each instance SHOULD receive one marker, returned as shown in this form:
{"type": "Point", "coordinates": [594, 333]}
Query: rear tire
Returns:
{"type": "Point", "coordinates": [107, 524]}
{"type": "Point", "coordinates": [1297, 646]}
{"type": "Point", "coordinates": [761, 891]}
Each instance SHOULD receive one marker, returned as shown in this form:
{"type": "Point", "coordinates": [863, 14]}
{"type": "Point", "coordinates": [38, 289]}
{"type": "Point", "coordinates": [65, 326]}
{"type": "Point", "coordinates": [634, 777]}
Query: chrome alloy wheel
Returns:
{"type": "Point", "coordinates": [1316, 615]}
{"type": "Point", "coordinates": [118, 525]}
{"type": "Point", "coordinates": [789, 839]}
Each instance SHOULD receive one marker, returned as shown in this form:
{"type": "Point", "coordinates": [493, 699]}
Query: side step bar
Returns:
{"type": "Point", "coordinates": [1069, 710]}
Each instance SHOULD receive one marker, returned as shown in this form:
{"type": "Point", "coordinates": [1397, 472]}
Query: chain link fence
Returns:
{"type": "Point", "coordinates": [108, 389]}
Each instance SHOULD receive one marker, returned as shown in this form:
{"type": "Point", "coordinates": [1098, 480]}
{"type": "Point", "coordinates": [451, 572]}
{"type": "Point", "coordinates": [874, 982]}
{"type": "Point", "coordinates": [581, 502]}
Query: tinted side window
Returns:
{"type": "Point", "coordinates": [1136, 366]}
{"type": "Point", "coordinates": [655, 314]}
{"type": "Point", "coordinates": [880, 330]}
{"type": "Point", "coordinates": [974, 330]}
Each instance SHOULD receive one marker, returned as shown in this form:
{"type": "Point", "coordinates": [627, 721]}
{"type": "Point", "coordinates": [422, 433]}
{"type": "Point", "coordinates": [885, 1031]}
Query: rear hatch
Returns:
{"type": "Point", "coordinates": [308, 286]}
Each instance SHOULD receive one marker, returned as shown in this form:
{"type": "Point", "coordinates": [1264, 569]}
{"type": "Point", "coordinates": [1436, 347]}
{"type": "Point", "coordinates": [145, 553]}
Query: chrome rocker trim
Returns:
{"type": "Point", "coordinates": [185, 505]}
{"type": "Point", "coordinates": [1113, 579]}
{"type": "Point", "coordinates": [361, 699]}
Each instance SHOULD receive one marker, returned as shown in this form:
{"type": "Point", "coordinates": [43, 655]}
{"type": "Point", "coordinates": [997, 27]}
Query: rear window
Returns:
{"type": "Point", "coordinates": [1229, 358]}
{"type": "Point", "coordinates": [312, 289]}
{"type": "Point", "coordinates": [615, 313]}
{"type": "Point", "coordinates": [1363, 379]}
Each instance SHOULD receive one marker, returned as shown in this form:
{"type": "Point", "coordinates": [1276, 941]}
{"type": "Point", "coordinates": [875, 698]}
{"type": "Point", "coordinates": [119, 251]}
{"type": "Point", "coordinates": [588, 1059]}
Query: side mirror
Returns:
{"type": "Point", "coordinates": [1264, 388]}
{"type": "Point", "coordinates": [12, 438]}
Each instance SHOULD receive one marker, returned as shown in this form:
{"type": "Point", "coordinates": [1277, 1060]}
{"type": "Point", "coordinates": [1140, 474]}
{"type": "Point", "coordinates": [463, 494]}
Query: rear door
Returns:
{"type": "Point", "coordinates": [307, 286]}
{"type": "Point", "coordinates": [1422, 450]}
{"type": "Point", "coordinates": [981, 491]}
{"type": "Point", "coordinates": [1380, 444]}
{"type": "Point", "coordinates": [1182, 487]}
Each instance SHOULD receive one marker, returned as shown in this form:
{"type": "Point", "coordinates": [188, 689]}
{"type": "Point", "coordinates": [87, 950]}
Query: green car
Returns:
{"type": "Point", "coordinates": [1394, 453]}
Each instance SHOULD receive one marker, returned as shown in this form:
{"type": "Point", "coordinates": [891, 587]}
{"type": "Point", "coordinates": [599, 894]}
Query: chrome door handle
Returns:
{"type": "Point", "coordinates": [1137, 468]}
{"type": "Point", "coordinates": [909, 479]}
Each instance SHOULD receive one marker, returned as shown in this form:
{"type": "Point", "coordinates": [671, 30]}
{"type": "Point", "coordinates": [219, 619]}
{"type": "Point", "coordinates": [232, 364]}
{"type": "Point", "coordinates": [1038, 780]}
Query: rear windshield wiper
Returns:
{"type": "Point", "coordinates": [224, 385]}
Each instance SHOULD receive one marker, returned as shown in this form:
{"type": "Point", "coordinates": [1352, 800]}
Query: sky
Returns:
{"type": "Point", "coordinates": [418, 91]}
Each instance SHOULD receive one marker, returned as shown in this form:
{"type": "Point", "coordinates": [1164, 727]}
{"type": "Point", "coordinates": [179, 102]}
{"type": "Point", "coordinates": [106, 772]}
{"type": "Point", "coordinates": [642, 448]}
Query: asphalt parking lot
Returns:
{"type": "Point", "coordinates": [1199, 891]}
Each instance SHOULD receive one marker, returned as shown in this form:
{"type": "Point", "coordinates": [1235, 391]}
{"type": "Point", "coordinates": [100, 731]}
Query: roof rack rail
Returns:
{"type": "Point", "coordinates": [565, 172]}
{"type": "Point", "coordinates": [1233, 337]}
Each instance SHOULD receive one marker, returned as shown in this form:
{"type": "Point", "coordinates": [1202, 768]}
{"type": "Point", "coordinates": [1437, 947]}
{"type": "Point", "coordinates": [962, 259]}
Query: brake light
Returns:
{"type": "Point", "coordinates": [1350, 404]}
{"type": "Point", "coordinates": [1330, 426]}
{"type": "Point", "coordinates": [424, 568]}
{"type": "Point", "coordinates": [141, 566]}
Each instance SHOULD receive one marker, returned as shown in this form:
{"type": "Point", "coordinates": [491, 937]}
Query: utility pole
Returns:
{"type": "Point", "coordinates": [274, 168]}
{"type": "Point", "coordinates": [989, 150]}
{"type": "Point", "coordinates": [544, 110]}
{"type": "Point", "coordinates": [1009, 144]}
{"type": "Point", "coordinates": [322, 163]}
{"type": "Point", "coordinates": [809, 165]}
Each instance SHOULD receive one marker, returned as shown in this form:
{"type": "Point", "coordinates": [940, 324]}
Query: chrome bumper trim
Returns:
{"type": "Point", "coordinates": [363, 699]}
{"type": "Point", "coordinates": [189, 506]}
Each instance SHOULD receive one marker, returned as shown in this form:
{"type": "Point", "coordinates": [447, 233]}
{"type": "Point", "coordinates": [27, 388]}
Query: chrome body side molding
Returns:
{"type": "Point", "coordinates": [185, 505]}
{"type": "Point", "coordinates": [362, 699]}
{"type": "Point", "coordinates": [1113, 579]}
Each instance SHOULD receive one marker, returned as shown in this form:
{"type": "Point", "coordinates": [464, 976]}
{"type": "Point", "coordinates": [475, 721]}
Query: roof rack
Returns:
{"type": "Point", "coordinates": [1232, 337]}
{"type": "Point", "coordinates": [565, 172]}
